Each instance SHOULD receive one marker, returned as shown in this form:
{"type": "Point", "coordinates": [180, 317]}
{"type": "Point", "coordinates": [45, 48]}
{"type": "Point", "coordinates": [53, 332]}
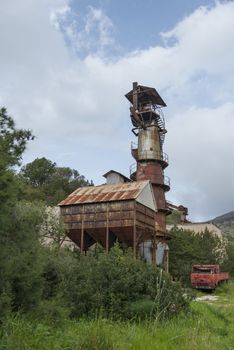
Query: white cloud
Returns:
{"type": "Point", "coordinates": [205, 39]}
{"type": "Point", "coordinates": [76, 105]}
{"type": "Point", "coordinates": [84, 33]}
{"type": "Point", "coordinates": [201, 158]}
{"type": "Point", "coordinates": [59, 14]}
{"type": "Point", "coordinates": [97, 18]}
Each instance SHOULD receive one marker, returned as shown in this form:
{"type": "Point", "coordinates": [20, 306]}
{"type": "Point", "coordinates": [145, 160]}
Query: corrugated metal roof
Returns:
{"type": "Point", "coordinates": [105, 193]}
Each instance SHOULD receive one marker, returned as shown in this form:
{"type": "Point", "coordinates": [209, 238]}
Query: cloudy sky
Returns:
{"type": "Point", "coordinates": [65, 66]}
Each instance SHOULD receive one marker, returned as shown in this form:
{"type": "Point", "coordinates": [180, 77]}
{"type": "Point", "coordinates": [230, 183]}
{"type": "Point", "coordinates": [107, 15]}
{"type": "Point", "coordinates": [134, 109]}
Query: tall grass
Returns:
{"type": "Point", "coordinates": [208, 326]}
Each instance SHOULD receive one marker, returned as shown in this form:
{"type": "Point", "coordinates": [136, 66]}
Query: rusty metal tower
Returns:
{"type": "Point", "coordinates": [149, 127]}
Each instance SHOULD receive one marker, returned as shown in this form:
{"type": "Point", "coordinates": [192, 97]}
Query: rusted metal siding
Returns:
{"type": "Point", "coordinates": [106, 222]}
{"type": "Point", "coordinates": [148, 143]}
{"type": "Point", "coordinates": [146, 94]}
{"type": "Point", "coordinates": [153, 171]}
{"type": "Point", "coordinates": [119, 214]}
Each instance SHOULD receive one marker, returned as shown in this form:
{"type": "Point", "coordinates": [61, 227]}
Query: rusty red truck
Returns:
{"type": "Point", "coordinates": [207, 277]}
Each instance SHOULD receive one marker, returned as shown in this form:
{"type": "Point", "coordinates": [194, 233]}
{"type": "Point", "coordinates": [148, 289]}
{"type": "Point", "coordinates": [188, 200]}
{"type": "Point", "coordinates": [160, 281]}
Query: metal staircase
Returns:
{"type": "Point", "coordinates": [161, 125]}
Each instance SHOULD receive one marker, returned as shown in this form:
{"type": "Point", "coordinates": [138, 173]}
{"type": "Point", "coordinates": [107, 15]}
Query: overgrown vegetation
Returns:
{"type": "Point", "coordinates": [117, 286]}
{"type": "Point", "coordinates": [113, 285]}
{"type": "Point", "coordinates": [52, 297]}
{"type": "Point", "coordinates": [187, 248]}
{"type": "Point", "coordinates": [228, 264]}
{"type": "Point", "coordinates": [43, 180]}
{"type": "Point", "coordinates": [208, 326]}
{"type": "Point", "coordinates": [174, 218]}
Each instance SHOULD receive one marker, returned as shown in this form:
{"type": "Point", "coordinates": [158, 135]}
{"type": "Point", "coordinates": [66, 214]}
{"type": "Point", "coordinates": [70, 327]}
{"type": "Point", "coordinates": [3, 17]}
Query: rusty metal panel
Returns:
{"type": "Point", "coordinates": [128, 205]}
{"type": "Point", "coordinates": [141, 217]}
{"type": "Point", "coordinates": [142, 209]}
{"type": "Point", "coordinates": [115, 206]}
{"type": "Point", "coordinates": [122, 218]}
{"type": "Point", "coordinates": [100, 223]}
{"type": "Point", "coordinates": [105, 193]}
{"type": "Point", "coordinates": [120, 215]}
{"type": "Point", "coordinates": [66, 210]}
{"type": "Point", "coordinates": [98, 207]}
{"type": "Point", "coordinates": [88, 208]}
{"type": "Point", "coordinates": [115, 215]}
{"type": "Point", "coordinates": [145, 220]}
{"type": "Point", "coordinates": [121, 223]}
{"type": "Point", "coordinates": [76, 210]}
{"type": "Point", "coordinates": [74, 225]}
{"type": "Point", "coordinates": [121, 205]}
{"type": "Point", "coordinates": [146, 94]}
{"type": "Point", "coordinates": [127, 214]}
{"type": "Point", "coordinates": [89, 217]}
{"type": "Point", "coordinates": [150, 213]}
{"type": "Point", "coordinates": [100, 216]}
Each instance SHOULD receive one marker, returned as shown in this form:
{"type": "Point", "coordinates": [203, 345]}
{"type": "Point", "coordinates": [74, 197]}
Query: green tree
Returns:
{"type": "Point", "coordinates": [39, 172]}
{"type": "Point", "coordinates": [174, 218]}
{"type": "Point", "coordinates": [12, 145]}
{"type": "Point", "coordinates": [42, 179]}
{"type": "Point", "coordinates": [18, 226]}
{"type": "Point", "coordinates": [12, 141]}
{"type": "Point", "coordinates": [63, 182]}
{"type": "Point", "coordinates": [187, 248]}
{"type": "Point", "coordinates": [22, 251]}
{"type": "Point", "coordinates": [228, 263]}
{"type": "Point", "coordinates": [52, 230]}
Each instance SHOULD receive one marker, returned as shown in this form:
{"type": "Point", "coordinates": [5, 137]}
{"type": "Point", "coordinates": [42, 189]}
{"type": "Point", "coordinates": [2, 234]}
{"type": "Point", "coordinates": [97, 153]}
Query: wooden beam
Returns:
{"type": "Point", "coordinates": [82, 232]}
{"type": "Point", "coordinates": [107, 227]}
{"type": "Point", "coordinates": [134, 232]}
{"type": "Point", "coordinates": [154, 247]}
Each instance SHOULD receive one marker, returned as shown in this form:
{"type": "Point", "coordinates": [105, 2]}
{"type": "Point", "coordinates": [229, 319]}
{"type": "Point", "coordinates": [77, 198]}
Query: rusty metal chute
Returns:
{"type": "Point", "coordinates": [103, 214]}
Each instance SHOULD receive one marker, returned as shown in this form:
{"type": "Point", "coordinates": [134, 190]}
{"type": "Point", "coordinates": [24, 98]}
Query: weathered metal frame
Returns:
{"type": "Point", "coordinates": [130, 221]}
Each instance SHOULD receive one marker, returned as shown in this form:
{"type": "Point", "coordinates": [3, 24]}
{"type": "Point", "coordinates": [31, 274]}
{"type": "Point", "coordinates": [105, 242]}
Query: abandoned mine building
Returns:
{"type": "Point", "coordinates": [131, 210]}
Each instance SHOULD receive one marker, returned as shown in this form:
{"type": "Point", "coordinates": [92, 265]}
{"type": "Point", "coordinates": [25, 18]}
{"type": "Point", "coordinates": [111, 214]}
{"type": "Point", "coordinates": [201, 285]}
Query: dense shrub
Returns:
{"type": "Point", "coordinates": [187, 248]}
{"type": "Point", "coordinates": [21, 265]}
{"type": "Point", "coordinates": [228, 264]}
{"type": "Point", "coordinates": [115, 284]}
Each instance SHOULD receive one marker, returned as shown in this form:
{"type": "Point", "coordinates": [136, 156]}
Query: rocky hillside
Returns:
{"type": "Point", "coordinates": [225, 222]}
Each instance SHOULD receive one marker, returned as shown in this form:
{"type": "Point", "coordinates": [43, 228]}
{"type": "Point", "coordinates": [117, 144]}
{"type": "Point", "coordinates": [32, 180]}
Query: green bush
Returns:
{"type": "Point", "coordinates": [141, 309]}
{"type": "Point", "coordinates": [50, 312]}
{"type": "Point", "coordinates": [20, 259]}
{"type": "Point", "coordinates": [188, 248]}
{"type": "Point", "coordinates": [109, 285]}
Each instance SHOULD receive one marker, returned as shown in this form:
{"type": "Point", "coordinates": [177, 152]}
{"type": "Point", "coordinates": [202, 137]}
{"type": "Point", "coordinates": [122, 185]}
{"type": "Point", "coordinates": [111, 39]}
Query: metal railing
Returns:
{"type": "Point", "coordinates": [165, 179]}
{"type": "Point", "coordinates": [158, 155]}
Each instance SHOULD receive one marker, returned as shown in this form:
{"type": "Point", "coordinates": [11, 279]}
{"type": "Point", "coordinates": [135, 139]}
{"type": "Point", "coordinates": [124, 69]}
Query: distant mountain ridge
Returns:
{"type": "Point", "coordinates": [225, 222]}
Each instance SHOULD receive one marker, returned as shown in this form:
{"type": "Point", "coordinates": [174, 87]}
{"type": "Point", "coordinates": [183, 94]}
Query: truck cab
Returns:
{"type": "Point", "coordinates": [207, 276]}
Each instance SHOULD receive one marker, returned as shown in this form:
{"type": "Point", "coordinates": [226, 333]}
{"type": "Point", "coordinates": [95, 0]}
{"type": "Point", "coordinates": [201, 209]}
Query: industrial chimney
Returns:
{"type": "Point", "coordinates": [149, 128]}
